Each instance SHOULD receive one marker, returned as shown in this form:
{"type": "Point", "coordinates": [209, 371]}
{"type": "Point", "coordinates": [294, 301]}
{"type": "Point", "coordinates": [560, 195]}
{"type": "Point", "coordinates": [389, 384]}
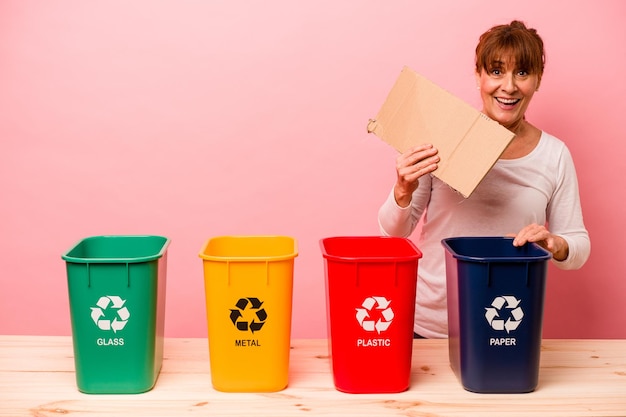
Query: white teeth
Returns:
{"type": "Point", "coordinates": [507, 100]}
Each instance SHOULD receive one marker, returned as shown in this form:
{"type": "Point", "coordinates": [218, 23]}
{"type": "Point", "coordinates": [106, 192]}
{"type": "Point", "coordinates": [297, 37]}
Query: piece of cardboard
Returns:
{"type": "Point", "coordinates": [418, 111]}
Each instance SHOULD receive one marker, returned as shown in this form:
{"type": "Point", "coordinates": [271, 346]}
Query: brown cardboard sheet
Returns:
{"type": "Point", "coordinates": [418, 111]}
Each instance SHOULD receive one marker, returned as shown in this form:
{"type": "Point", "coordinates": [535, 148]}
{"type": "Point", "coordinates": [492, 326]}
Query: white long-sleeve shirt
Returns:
{"type": "Point", "coordinates": [540, 187]}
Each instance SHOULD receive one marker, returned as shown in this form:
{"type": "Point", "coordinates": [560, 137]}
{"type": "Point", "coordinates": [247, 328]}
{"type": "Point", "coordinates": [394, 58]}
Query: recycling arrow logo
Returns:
{"type": "Point", "coordinates": [379, 308]}
{"type": "Point", "coordinates": [504, 313]}
{"type": "Point", "coordinates": [107, 307]}
{"type": "Point", "coordinates": [241, 318]}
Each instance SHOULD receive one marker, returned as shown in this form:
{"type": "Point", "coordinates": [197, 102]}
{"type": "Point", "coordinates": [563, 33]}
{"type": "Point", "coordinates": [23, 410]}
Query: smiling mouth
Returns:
{"type": "Point", "coordinates": [508, 101]}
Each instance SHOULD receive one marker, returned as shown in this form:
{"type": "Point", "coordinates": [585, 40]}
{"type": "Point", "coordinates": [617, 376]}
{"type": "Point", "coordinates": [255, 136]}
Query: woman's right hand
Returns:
{"type": "Point", "coordinates": [410, 166]}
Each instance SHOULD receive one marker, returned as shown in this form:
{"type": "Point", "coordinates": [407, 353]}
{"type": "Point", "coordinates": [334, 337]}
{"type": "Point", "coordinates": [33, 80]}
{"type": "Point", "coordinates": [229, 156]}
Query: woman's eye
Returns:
{"type": "Point", "coordinates": [496, 71]}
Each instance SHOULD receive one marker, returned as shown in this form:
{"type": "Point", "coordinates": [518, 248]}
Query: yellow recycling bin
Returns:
{"type": "Point", "coordinates": [249, 283]}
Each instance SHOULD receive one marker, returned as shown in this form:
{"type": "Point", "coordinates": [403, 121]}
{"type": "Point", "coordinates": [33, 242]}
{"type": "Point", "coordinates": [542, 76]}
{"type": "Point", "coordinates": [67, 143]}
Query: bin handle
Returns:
{"type": "Point", "coordinates": [489, 274]}
{"type": "Point", "coordinates": [395, 273]}
{"type": "Point", "coordinates": [267, 272]}
{"type": "Point", "coordinates": [88, 264]}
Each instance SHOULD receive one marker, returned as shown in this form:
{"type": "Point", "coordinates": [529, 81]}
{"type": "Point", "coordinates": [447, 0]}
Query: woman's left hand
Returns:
{"type": "Point", "coordinates": [538, 234]}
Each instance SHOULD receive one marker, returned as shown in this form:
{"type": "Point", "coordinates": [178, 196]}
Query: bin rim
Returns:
{"type": "Point", "coordinates": [406, 258]}
{"type": "Point", "coordinates": [282, 257]}
{"type": "Point", "coordinates": [545, 256]}
{"type": "Point", "coordinates": [117, 260]}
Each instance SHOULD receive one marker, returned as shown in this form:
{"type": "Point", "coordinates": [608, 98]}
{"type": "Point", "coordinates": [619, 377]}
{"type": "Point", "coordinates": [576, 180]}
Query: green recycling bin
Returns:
{"type": "Point", "coordinates": [116, 288]}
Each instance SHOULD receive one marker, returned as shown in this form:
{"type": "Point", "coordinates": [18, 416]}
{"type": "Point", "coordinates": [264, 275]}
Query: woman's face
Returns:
{"type": "Point", "coordinates": [506, 92]}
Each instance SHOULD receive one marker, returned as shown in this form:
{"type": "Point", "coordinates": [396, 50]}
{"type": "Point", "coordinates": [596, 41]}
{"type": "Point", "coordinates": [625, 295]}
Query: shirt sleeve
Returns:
{"type": "Point", "coordinates": [394, 220]}
{"type": "Point", "coordinates": [565, 216]}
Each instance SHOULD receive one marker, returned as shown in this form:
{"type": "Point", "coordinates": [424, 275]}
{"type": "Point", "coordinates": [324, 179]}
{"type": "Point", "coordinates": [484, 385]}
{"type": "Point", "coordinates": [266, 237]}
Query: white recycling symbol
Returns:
{"type": "Point", "coordinates": [514, 317]}
{"type": "Point", "coordinates": [386, 314]}
{"type": "Point", "coordinates": [103, 321]}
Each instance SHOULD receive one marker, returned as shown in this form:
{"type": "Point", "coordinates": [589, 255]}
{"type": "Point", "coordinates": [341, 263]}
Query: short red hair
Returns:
{"type": "Point", "coordinates": [513, 41]}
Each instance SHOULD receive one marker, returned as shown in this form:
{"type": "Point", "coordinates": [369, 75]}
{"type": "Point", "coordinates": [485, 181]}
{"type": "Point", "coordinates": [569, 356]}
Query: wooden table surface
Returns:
{"type": "Point", "coordinates": [576, 378]}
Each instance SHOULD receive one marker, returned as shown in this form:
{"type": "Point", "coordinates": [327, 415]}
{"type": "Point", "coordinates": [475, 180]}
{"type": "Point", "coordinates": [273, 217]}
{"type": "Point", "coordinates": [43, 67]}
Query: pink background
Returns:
{"type": "Point", "coordinates": [196, 119]}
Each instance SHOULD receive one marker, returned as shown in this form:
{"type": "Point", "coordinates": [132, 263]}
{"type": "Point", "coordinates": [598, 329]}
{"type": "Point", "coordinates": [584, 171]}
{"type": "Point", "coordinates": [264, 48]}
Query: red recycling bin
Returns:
{"type": "Point", "coordinates": [370, 289]}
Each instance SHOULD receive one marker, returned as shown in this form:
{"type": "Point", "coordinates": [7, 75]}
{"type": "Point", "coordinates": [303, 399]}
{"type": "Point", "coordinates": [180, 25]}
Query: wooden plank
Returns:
{"type": "Point", "coordinates": [577, 378]}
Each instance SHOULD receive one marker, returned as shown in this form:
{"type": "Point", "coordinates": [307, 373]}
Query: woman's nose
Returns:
{"type": "Point", "coordinates": [508, 83]}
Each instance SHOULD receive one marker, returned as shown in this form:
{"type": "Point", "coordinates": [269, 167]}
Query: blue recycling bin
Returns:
{"type": "Point", "coordinates": [495, 312]}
